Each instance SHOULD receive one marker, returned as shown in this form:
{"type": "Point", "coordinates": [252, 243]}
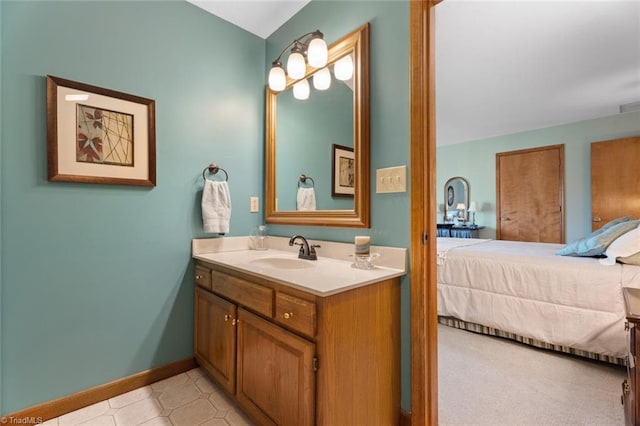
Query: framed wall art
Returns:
{"type": "Point", "coordinates": [343, 171]}
{"type": "Point", "coordinates": [97, 135]}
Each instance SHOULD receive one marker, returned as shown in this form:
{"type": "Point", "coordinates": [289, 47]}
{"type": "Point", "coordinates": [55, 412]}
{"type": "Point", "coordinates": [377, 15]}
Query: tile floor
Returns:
{"type": "Point", "coordinates": [188, 399]}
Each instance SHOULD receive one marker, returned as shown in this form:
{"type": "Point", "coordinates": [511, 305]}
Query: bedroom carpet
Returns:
{"type": "Point", "coordinates": [487, 380]}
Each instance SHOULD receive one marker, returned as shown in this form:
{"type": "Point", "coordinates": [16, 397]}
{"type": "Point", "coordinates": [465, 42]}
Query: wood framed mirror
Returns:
{"type": "Point", "coordinates": [309, 150]}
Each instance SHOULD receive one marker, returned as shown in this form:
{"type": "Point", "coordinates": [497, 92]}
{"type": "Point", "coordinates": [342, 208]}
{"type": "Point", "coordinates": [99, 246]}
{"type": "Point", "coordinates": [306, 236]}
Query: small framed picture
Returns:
{"type": "Point", "coordinates": [343, 171]}
{"type": "Point", "coordinates": [97, 135]}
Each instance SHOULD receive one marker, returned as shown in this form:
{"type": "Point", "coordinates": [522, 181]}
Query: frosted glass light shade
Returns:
{"type": "Point", "coordinates": [301, 90]}
{"type": "Point", "coordinates": [296, 66]}
{"type": "Point", "coordinates": [343, 69]}
{"type": "Point", "coordinates": [317, 53]}
{"type": "Point", "coordinates": [277, 79]}
{"type": "Point", "coordinates": [322, 79]}
{"type": "Point", "coordinates": [473, 207]}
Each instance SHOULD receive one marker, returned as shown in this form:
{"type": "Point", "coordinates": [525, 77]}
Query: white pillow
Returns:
{"type": "Point", "coordinates": [623, 246]}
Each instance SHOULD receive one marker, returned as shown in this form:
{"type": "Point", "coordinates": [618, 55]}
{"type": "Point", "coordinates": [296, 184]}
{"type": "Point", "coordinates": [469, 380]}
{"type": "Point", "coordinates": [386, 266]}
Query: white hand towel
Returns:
{"type": "Point", "coordinates": [216, 207]}
{"type": "Point", "coordinates": [306, 199]}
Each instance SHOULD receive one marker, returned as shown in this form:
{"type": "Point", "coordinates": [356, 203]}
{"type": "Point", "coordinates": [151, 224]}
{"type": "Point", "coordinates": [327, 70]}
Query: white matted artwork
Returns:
{"type": "Point", "coordinates": [97, 135]}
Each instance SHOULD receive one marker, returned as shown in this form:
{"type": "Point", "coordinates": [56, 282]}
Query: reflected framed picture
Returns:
{"type": "Point", "coordinates": [343, 171]}
{"type": "Point", "coordinates": [97, 135]}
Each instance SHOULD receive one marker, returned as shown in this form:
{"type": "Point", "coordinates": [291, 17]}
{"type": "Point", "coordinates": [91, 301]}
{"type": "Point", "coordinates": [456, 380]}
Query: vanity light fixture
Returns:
{"type": "Point", "coordinates": [343, 69]}
{"type": "Point", "coordinates": [322, 79]}
{"type": "Point", "coordinates": [301, 90]}
{"type": "Point", "coordinates": [311, 45]}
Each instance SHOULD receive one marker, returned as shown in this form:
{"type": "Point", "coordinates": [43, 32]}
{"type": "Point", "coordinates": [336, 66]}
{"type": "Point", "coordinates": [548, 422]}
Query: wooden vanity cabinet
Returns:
{"type": "Point", "coordinates": [289, 357]}
{"type": "Point", "coordinates": [276, 381]}
{"type": "Point", "coordinates": [215, 337]}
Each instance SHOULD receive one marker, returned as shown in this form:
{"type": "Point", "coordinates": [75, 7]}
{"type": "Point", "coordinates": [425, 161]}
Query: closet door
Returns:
{"type": "Point", "coordinates": [615, 180]}
{"type": "Point", "coordinates": [530, 195]}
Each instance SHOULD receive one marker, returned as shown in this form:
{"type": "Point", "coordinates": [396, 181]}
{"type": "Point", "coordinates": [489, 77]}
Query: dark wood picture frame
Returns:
{"type": "Point", "coordinates": [124, 158]}
{"type": "Point", "coordinates": [342, 171]}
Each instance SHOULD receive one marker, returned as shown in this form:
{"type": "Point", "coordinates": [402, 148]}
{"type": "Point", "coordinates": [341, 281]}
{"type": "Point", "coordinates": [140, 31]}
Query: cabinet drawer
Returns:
{"type": "Point", "coordinates": [295, 313]}
{"type": "Point", "coordinates": [203, 277]}
{"type": "Point", "coordinates": [253, 296]}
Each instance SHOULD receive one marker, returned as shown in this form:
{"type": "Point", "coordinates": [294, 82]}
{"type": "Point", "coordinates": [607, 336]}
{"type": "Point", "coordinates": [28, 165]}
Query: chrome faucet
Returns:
{"type": "Point", "coordinates": [306, 251]}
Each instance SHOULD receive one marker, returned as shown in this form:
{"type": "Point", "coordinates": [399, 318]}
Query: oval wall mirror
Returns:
{"type": "Point", "coordinates": [326, 139]}
{"type": "Point", "coordinates": [456, 192]}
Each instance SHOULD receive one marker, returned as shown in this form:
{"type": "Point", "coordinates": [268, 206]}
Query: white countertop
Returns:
{"type": "Point", "coordinates": [332, 273]}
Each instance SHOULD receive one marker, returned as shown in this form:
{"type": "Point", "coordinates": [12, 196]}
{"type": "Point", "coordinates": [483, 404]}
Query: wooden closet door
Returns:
{"type": "Point", "coordinates": [615, 180]}
{"type": "Point", "coordinates": [530, 195]}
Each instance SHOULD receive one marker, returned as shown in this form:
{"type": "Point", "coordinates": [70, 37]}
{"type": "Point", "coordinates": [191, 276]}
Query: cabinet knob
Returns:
{"type": "Point", "coordinates": [234, 321]}
{"type": "Point", "coordinates": [288, 315]}
{"type": "Point", "coordinates": [198, 277]}
{"type": "Point", "coordinates": [597, 219]}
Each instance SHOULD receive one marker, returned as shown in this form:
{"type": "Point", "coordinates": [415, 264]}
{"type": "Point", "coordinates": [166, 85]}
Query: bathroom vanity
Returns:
{"type": "Point", "coordinates": [299, 342]}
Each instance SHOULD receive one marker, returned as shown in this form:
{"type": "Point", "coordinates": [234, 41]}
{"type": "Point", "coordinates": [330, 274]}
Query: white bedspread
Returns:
{"type": "Point", "coordinates": [525, 288]}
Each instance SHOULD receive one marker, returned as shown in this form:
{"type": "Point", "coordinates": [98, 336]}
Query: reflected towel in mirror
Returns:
{"type": "Point", "coordinates": [216, 207]}
{"type": "Point", "coordinates": [306, 199]}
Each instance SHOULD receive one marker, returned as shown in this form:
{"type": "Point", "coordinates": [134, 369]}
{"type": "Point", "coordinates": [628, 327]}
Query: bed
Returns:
{"type": "Point", "coordinates": [524, 291]}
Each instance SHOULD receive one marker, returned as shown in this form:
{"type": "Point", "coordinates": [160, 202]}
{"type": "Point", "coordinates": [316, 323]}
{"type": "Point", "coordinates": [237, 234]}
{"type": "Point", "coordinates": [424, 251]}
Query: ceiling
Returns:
{"type": "Point", "coordinates": [509, 66]}
{"type": "Point", "coordinates": [260, 17]}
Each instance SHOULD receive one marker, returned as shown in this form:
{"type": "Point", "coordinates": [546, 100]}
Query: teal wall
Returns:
{"type": "Point", "coordinates": [306, 131]}
{"type": "Point", "coordinates": [390, 214]}
{"type": "Point", "coordinates": [97, 279]}
{"type": "Point", "coordinates": [475, 161]}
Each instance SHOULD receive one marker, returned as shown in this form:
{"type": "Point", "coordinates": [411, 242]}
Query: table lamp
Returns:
{"type": "Point", "coordinates": [473, 208]}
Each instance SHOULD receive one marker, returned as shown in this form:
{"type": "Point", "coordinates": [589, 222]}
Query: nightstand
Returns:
{"type": "Point", "coordinates": [444, 229]}
{"type": "Point", "coordinates": [629, 396]}
{"type": "Point", "coordinates": [465, 231]}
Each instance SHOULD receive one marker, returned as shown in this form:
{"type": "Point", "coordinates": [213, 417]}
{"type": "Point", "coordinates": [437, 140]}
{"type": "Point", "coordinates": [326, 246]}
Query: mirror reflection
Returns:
{"type": "Point", "coordinates": [305, 133]}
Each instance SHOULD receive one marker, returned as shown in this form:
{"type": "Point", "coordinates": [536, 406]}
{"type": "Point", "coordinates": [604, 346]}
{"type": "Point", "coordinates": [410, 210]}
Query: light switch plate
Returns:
{"type": "Point", "coordinates": [254, 204]}
{"type": "Point", "coordinates": [391, 179]}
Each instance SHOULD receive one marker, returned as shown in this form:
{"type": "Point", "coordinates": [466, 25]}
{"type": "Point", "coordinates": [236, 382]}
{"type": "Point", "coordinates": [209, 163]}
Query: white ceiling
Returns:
{"type": "Point", "coordinates": [260, 17]}
{"type": "Point", "coordinates": [509, 66]}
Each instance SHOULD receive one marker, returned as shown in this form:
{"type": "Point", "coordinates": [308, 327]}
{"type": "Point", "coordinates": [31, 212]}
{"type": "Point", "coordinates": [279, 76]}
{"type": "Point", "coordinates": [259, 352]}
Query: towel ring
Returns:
{"type": "Point", "coordinates": [303, 179]}
{"type": "Point", "coordinates": [213, 169]}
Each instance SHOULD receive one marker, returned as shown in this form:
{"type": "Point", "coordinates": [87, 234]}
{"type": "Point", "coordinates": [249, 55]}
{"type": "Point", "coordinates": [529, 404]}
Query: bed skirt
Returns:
{"type": "Point", "coordinates": [481, 329]}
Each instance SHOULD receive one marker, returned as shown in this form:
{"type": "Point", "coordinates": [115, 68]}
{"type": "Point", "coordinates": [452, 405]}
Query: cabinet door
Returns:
{"type": "Point", "coordinates": [215, 337]}
{"type": "Point", "coordinates": [276, 381]}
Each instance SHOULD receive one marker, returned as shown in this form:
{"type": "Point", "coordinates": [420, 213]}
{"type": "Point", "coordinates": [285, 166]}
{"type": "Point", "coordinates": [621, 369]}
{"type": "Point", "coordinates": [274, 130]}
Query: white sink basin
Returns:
{"type": "Point", "coordinates": [283, 263]}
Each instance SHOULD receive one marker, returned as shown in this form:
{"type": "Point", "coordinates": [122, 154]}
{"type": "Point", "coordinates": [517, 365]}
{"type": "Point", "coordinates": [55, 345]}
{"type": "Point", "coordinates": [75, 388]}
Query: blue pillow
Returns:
{"type": "Point", "coordinates": [597, 242]}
